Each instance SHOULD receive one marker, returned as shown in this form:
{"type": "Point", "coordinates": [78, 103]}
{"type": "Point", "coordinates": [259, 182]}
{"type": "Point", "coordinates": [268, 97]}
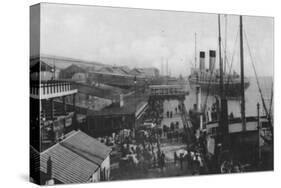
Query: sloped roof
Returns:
{"type": "Point", "coordinates": [68, 167]}
{"type": "Point", "coordinates": [75, 159]}
{"type": "Point", "coordinates": [74, 68]}
{"type": "Point", "coordinates": [149, 71]}
{"type": "Point", "coordinates": [131, 104]}
{"type": "Point", "coordinates": [87, 147]}
{"type": "Point", "coordinates": [135, 71]}
{"type": "Point", "coordinates": [125, 69]}
{"type": "Point", "coordinates": [69, 71]}
{"type": "Point", "coordinates": [108, 92]}
{"type": "Point", "coordinates": [37, 65]}
{"type": "Point", "coordinates": [119, 70]}
{"type": "Point", "coordinates": [106, 70]}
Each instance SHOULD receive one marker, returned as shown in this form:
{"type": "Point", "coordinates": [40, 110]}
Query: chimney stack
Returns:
{"type": "Point", "coordinates": [212, 60]}
{"type": "Point", "coordinates": [49, 168]}
{"type": "Point", "coordinates": [202, 60]}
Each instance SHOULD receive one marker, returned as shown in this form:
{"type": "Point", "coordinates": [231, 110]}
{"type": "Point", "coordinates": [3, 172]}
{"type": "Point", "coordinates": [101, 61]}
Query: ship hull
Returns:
{"type": "Point", "coordinates": [244, 146]}
{"type": "Point", "coordinates": [213, 88]}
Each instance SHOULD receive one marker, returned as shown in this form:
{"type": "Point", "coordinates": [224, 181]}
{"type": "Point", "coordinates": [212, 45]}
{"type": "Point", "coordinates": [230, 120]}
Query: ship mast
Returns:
{"type": "Point", "coordinates": [225, 43]}
{"type": "Point", "coordinates": [223, 109]}
{"type": "Point", "coordinates": [195, 51]}
{"type": "Point", "coordinates": [167, 68]}
{"type": "Point", "coordinates": [242, 76]}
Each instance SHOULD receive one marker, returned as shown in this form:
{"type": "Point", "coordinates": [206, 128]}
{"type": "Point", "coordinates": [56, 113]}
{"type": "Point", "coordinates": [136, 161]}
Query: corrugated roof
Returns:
{"type": "Point", "coordinates": [35, 159]}
{"type": "Point", "coordinates": [87, 147]}
{"type": "Point", "coordinates": [74, 159]}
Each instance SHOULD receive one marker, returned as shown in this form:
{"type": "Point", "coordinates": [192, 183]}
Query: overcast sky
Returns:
{"type": "Point", "coordinates": [145, 38]}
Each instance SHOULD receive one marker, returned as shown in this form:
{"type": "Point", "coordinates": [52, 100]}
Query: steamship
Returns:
{"type": "Point", "coordinates": [231, 144]}
{"type": "Point", "coordinates": [209, 79]}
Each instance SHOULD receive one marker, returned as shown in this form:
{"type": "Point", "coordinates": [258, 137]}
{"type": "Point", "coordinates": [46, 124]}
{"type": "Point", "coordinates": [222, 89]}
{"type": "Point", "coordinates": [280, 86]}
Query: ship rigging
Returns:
{"type": "Point", "coordinates": [234, 144]}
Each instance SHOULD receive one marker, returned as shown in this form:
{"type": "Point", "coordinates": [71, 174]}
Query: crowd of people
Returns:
{"type": "Point", "coordinates": [192, 159]}
{"type": "Point", "coordinates": [143, 151]}
{"type": "Point", "coordinates": [143, 154]}
{"type": "Point", "coordinates": [172, 131]}
{"type": "Point", "coordinates": [170, 113]}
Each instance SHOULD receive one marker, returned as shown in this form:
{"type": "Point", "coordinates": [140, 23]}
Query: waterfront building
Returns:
{"type": "Point", "coordinates": [126, 113]}
{"type": "Point", "coordinates": [78, 158]}
{"type": "Point", "coordinates": [49, 118]}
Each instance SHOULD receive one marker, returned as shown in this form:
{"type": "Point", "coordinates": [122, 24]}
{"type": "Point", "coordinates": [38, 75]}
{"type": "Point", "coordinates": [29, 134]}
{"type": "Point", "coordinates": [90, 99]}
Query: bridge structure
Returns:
{"type": "Point", "coordinates": [174, 92]}
{"type": "Point", "coordinates": [167, 92]}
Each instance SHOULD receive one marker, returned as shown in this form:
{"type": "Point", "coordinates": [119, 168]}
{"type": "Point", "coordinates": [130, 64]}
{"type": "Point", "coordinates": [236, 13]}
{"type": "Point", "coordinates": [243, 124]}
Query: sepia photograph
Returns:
{"type": "Point", "coordinates": [126, 93]}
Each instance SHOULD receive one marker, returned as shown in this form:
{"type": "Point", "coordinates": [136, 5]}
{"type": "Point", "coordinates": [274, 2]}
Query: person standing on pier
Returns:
{"type": "Point", "coordinates": [175, 157]}
{"type": "Point", "coordinates": [162, 160]}
{"type": "Point", "coordinates": [181, 160]}
{"type": "Point", "coordinates": [154, 160]}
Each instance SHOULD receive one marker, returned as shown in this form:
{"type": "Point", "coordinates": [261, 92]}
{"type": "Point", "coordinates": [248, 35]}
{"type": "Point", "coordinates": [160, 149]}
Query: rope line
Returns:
{"type": "Point", "coordinates": [256, 76]}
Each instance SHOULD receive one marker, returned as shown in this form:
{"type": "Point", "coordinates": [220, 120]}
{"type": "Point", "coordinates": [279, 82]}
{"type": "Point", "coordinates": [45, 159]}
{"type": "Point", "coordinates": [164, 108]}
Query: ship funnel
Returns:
{"type": "Point", "coordinates": [212, 60]}
{"type": "Point", "coordinates": [202, 60]}
{"type": "Point", "coordinates": [198, 98]}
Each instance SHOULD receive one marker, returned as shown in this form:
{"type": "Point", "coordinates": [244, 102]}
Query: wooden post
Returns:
{"type": "Point", "coordinates": [53, 134]}
{"type": "Point", "coordinates": [74, 122]}
{"type": "Point", "coordinates": [242, 77]}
